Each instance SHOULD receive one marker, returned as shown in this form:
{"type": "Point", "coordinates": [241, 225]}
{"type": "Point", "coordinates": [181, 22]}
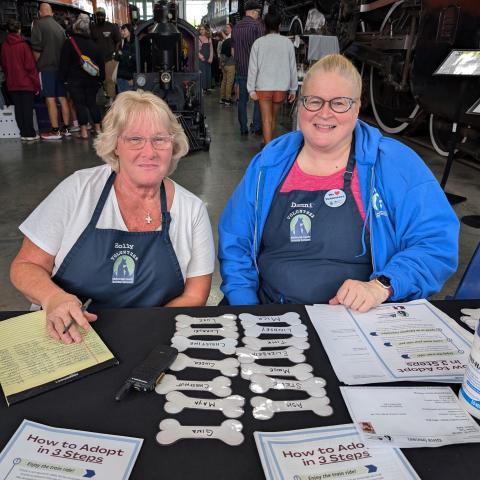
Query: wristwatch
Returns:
{"type": "Point", "coordinates": [384, 282]}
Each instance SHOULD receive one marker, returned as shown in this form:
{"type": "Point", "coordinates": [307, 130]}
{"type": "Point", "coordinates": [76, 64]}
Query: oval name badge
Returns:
{"type": "Point", "coordinates": [335, 198]}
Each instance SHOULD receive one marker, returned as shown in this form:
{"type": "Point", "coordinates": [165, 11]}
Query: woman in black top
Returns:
{"type": "Point", "coordinates": [81, 85]}
{"type": "Point", "coordinates": [126, 60]}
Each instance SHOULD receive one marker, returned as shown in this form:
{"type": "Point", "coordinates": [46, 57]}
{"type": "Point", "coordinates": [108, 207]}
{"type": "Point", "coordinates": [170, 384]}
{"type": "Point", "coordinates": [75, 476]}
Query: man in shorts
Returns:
{"type": "Point", "coordinates": [48, 38]}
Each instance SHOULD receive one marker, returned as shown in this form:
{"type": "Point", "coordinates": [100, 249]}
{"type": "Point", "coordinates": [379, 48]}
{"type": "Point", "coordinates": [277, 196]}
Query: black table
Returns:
{"type": "Point", "coordinates": [88, 404]}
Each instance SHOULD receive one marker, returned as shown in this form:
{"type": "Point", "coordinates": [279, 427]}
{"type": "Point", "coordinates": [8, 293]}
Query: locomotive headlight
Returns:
{"type": "Point", "coordinates": [165, 77]}
{"type": "Point", "coordinates": [141, 80]}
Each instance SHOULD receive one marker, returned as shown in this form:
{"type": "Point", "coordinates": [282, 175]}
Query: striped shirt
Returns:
{"type": "Point", "coordinates": [245, 32]}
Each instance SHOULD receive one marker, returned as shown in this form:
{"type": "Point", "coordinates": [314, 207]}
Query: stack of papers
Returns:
{"type": "Point", "coordinates": [328, 452]}
{"type": "Point", "coordinates": [410, 416]}
{"type": "Point", "coordinates": [391, 343]}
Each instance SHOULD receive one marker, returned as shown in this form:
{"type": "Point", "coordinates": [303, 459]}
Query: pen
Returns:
{"type": "Point", "coordinates": [83, 309]}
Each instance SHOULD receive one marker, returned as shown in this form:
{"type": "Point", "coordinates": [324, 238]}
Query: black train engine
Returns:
{"type": "Point", "coordinates": [399, 44]}
{"type": "Point", "coordinates": [167, 65]}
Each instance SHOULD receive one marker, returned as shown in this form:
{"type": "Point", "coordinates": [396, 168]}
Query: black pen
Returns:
{"type": "Point", "coordinates": [83, 309]}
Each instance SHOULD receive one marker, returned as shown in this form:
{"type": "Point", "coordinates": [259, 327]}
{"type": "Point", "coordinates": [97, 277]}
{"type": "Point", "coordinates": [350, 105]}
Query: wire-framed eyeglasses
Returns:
{"type": "Point", "coordinates": [337, 104]}
{"type": "Point", "coordinates": [158, 142]}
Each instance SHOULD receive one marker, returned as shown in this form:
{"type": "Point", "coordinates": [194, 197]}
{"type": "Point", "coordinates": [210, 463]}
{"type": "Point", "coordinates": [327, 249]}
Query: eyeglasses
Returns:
{"type": "Point", "coordinates": [158, 142]}
{"type": "Point", "coordinates": [337, 104]}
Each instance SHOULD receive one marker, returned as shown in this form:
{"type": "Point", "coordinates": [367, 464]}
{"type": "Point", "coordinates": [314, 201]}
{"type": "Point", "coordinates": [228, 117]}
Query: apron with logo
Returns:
{"type": "Point", "coordinates": [119, 268]}
{"type": "Point", "coordinates": [311, 244]}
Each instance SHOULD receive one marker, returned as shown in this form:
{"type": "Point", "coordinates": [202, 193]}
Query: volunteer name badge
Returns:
{"type": "Point", "coordinates": [335, 198]}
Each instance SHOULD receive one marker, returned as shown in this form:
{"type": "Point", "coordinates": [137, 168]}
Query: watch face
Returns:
{"type": "Point", "coordinates": [385, 281]}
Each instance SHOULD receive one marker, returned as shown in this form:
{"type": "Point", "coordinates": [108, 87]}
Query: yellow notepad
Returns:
{"type": "Point", "coordinates": [31, 362]}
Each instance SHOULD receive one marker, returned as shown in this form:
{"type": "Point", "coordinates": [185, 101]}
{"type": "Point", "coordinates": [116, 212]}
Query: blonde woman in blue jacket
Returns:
{"type": "Point", "coordinates": [336, 212]}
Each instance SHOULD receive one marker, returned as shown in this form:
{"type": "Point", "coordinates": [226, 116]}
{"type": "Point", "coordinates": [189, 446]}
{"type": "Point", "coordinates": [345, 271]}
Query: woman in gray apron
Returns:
{"type": "Point", "coordinates": [205, 55]}
{"type": "Point", "coordinates": [114, 233]}
{"type": "Point", "coordinates": [335, 212]}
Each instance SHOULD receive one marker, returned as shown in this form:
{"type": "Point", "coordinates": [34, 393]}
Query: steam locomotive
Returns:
{"type": "Point", "coordinates": [398, 45]}
{"type": "Point", "coordinates": [167, 65]}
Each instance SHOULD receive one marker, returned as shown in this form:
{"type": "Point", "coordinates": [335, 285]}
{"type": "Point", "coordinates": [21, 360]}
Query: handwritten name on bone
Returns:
{"type": "Point", "coordinates": [227, 366]}
{"type": "Point", "coordinates": [226, 346]}
{"type": "Point", "coordinates": [247, 355]}
{"type": "Point", "coordinates": [171, 431]}
{"type": "Point", "coordinates": [219, 386]}
{"type": "Point", "coordinates": [301, 371]}
{"type": "Point", "coordinates": [264, 408]}
{"type": "Point", "coordinates": [295, 330]}
{"type": "Point", "coordinates": [230, 406]}
{"type": "Point", "coordinates": [227, 320]}
{"type": "Point", "coordinates": [314, 386]}
{"type": "Point", "coordinates": [257, 343]}
{"type": "Point", "coordinates": [248, 320]}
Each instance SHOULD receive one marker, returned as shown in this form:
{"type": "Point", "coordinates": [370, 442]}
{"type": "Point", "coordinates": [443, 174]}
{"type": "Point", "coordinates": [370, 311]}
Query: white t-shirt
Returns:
{"type": "Point", "coordinates": [56, 224]}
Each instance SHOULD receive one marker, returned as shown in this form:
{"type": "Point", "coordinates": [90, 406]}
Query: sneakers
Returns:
{"type": "Point", "coordinates": [222, 101]}
{"type": "Point", "coordinates": [65, 132]}
{"type": "Point", "coordinates": [228, 103]}
{"type": "Point", "coordinates": [74, 128]}
{"type": "Point", "coordinates": [31, 139]}
{"type": "Point", "coordinates": [53, 134]}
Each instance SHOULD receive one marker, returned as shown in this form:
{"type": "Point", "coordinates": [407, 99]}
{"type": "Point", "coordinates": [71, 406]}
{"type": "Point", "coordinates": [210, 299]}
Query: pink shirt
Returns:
{"type": "Point", "coordinates": [297, 179]}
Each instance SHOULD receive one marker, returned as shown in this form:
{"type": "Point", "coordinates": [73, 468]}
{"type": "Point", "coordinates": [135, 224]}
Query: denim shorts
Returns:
{"type": "Point", "coordinates": [51, 86]}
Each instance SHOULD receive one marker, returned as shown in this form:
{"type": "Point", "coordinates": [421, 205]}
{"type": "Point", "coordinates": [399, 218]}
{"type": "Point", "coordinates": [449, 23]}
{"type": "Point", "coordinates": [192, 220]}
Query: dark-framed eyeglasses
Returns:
{"type": "Point", "coordinates": [158, 142]}
{"type": "Point", "coordinates": [337, 104]}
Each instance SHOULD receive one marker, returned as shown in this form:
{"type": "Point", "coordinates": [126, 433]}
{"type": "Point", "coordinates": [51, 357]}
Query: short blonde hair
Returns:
{"type": "Point", "coordinates": [339, 64]}
{"type": "Point", "coordinates": [129, 106]}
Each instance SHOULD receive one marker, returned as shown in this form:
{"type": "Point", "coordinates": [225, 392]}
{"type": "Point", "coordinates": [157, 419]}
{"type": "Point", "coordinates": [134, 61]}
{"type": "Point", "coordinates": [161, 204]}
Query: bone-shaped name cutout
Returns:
{"type": "Point", "coordinates": [314, 386]}
{"type": "Point", "coordinates": [257, 343]}
{"type": "Point", "coordinates": [226, 320]}
{"type": "Point", "coordinates": [227, 366]}
{"type": "Point", "coordinates": [301, 371]}
{"type": "Point", "coordinates": [230, 406]}
{"type": "Point", "coordinates": [264, 408]}
{"type": "Point", "coordinates": [295, 330]}
{"type": "Point", "coordinates": [219, 386]}
{"type": "Point", "coordinates": [247, 355]}
{"type": "Point", "coordinates": [226, 346]}
{"type": "Point", "coordinates": [248, 320]}
{"type": "Point", "coordinates": [207, 332]}
{"type": "Point", "coordinates": [171, 431]}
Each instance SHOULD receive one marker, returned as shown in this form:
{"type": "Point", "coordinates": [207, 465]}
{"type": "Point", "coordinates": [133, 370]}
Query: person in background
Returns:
{"type": "Point", "coordinates": [244, 33]}
{"type": "Point", "coordinates": [205, 55]}
{"type": "Point", "coordinates": [126, 60]}
{"type": "Point", "coordinates": [228, 67]}
{"type": "Point", "coordinates": [82, 86]}
{"type": "Point", "coordinates": [22, 78]}
{"type": "Point", "coordinates": [123, 234]}
{"type": "Point", "coordinates": [272, 73]}
{"type": "Point", "coordinates": [107, 36]}
{"type": "Point", "coordinates": [336, 212]}
{"type": "Point", "coordinates": [47, 41]}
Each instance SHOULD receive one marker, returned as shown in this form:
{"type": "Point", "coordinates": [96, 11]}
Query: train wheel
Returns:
{"type": "Point", "coordinates": [391, 107]}
{"type": "Point", "coordinates": [440, 131]}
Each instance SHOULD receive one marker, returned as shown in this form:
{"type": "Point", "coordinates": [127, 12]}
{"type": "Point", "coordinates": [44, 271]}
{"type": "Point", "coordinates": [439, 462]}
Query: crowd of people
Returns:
{"type": "Point", "coordinates": [67, 63]}
{"type": "Point", "coordinates": [319, 217]}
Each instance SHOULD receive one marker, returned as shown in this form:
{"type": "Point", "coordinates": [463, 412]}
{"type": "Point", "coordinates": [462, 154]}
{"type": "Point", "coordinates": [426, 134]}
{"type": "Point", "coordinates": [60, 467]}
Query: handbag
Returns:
{"type": "Point", "coordinates": [87, 63]}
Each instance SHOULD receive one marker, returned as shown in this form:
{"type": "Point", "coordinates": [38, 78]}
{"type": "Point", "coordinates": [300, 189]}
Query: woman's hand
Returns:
{"type": "Point", "coordinates": [360, 296]}
{"type": "Point", "coordinates": [201, 57]}
{"type": "Point", "coordinates": [61, 309]}
{"type": "Point", "coordinates": [254, 96]}
{"type": "Point", "coordinates": [291, 97]}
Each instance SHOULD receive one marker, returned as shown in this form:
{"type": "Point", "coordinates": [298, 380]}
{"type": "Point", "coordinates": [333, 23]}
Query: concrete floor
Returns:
{"type": "Point", "coordinates": [30, 171]}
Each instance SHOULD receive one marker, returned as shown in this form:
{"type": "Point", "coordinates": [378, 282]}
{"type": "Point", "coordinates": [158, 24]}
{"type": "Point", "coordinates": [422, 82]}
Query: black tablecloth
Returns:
{"type": "Point", "coordinates": [88, 404]}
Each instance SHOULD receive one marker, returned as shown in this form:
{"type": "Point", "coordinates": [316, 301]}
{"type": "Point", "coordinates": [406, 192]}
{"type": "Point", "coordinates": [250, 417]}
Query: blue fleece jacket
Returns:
{"type": "Point", "coordinates": [413, 229]}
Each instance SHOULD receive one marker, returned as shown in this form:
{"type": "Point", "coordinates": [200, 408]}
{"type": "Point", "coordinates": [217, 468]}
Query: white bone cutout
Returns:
{"type": "Point", "coordinates": [301, 371]}
{"type": "Point", "coordinates": [210, 332]}
{"type": "Point", "coordinates": [257, 343]}
{"type": "Point", "coordinates": [219, 386]}
{"type": "Point", "coordinates": [227, 320]}
{"type": "Point", "coordinates": [226, 346]}
{"type": "Point", "coordinates": [247, 355]}
{"type": "Point", "coordinates": [295, 330]}
{"type": "Point", "coordinates": [248, 320]}
{"type": "Point", "coordinates": [171, 431]}
{"type": "Point", "coordinates": [314, 386]}
{"type": "Point", "coordinates": [231, 406]}
{"type": "Point", "coordinates": [227, 366]}
{"type": "Point", "coordinates": [264, 408]}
